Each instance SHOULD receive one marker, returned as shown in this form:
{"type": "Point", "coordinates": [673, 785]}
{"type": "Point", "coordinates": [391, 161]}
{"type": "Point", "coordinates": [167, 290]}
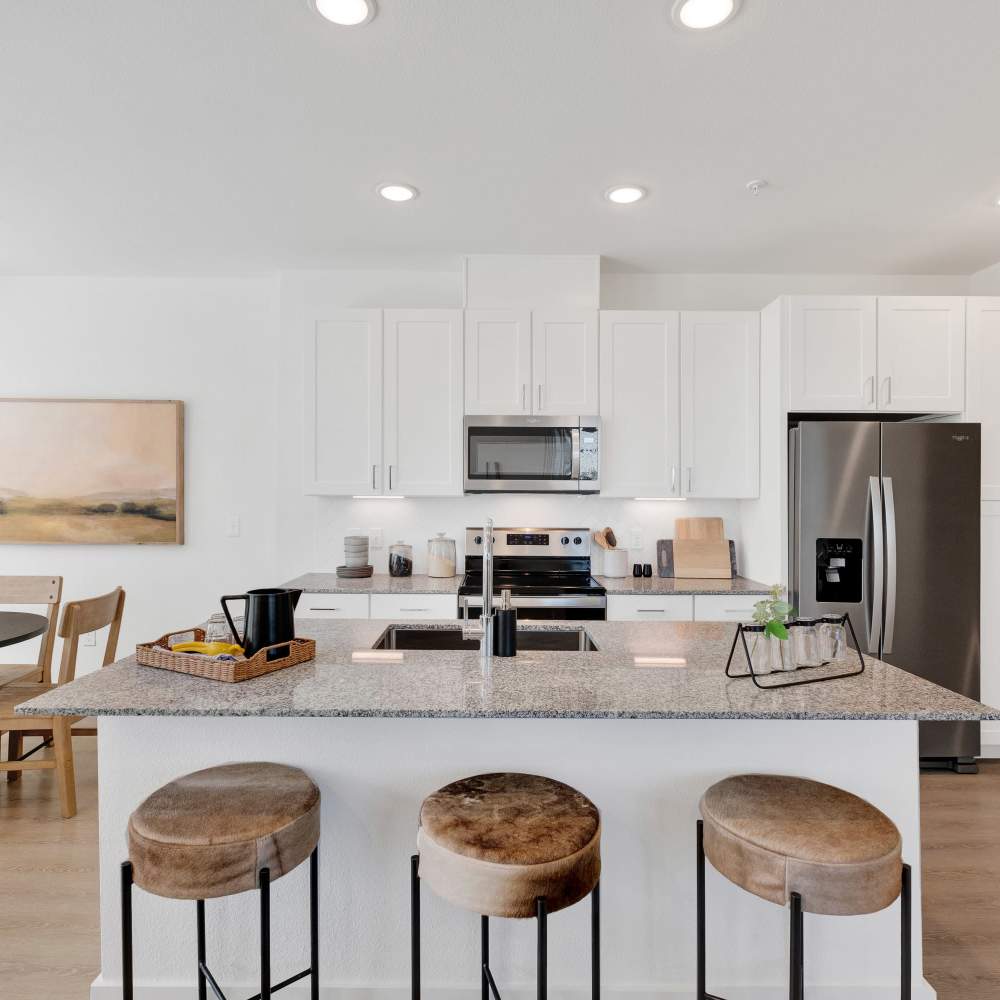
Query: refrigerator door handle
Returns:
{"type": "Point", "coordinates": [890, 564]}
{"type": "Point", "coordinates": [878, 569]}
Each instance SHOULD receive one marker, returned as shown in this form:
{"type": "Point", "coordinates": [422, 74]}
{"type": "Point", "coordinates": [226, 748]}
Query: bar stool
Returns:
{"type": "Point", "coordinates": [508, 845]}
{"type": "Point", "coordinates": [221, 831]}
{"type": "Point", "coordinates": [813, 846]}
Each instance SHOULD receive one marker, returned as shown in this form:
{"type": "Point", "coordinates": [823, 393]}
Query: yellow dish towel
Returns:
{"type": "Point", "coordinates": [208, 648]}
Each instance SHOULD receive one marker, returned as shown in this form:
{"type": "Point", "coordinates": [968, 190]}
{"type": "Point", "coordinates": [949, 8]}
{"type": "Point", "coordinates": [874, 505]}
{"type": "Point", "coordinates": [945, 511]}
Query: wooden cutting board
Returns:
{"type": "Point", "coordinates": [701, 559]}
{"type": "Point", "coordinates": [700, 529]}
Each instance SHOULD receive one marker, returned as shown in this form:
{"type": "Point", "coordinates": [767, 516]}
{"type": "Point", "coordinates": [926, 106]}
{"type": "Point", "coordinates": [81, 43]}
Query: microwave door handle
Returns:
{"type": "Point", "coordinates": [875, 543]}
{"type": "Point", "coordinates": [890, 565]}
{"type": "Point", "coordinates": [575, 439]}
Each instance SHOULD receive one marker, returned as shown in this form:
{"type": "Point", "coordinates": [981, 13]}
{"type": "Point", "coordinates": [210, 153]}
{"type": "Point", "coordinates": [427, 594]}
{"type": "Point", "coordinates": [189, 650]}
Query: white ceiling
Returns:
{"type": "Point", "coordinates": [226, 135]}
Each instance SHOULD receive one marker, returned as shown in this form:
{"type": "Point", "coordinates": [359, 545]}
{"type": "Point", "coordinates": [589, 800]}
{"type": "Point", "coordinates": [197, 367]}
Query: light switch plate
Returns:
{"type": "Point", "coordinates": [635, 538]}
{"type": "Point", "coordinates": [375, 538]}
{"type": "Point", "coordinates": [233, 526]}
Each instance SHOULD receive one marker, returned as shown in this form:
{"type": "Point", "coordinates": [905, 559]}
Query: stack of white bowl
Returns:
{"type": "Point", "coordinates": [356, 550]}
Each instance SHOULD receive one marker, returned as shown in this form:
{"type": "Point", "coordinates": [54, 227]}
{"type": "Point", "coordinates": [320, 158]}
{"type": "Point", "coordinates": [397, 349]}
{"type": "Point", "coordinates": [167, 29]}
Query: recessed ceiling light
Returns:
{"type": "Point", "coordinates": [397, 192]}
{"type": "Point", "coordinates": [347, 13]}
{"type": "Point", "coordinates": [701, 14]}
{"type": "Point", "coordinates": [625, 195]}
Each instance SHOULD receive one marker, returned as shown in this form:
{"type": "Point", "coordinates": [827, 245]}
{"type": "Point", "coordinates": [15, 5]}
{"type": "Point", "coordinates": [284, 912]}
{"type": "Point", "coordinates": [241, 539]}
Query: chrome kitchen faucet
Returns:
{"type": "Point", "coordinates": [484, 631]}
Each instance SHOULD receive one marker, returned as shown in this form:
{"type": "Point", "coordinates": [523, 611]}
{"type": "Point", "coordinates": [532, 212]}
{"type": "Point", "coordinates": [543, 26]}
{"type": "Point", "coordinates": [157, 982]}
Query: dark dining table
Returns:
{"type": "Point", "coordinates": [19, 626]}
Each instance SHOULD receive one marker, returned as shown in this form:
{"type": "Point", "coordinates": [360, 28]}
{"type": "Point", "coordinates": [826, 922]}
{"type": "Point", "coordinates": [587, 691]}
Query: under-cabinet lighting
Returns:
{"type": "Point", "coordinates": [660, 661]}
{"type": "Point", "coordinates": [362, 496]}
{"type": "Point", "coordinates": [659, 499]}
{"type": "Point", "coordinates": [376, 656]}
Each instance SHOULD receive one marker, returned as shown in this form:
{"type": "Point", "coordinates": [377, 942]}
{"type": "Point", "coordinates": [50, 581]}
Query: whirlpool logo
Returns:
{"type": "Point", "coordinates": [961, 437]}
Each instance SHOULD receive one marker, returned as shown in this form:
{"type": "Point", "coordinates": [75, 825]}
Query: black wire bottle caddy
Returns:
{"type": "Point", "coordinates": [759, 631]}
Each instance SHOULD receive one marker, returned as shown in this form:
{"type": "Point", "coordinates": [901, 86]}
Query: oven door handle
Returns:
{"type": "Point", "coordinates": [575, 439]}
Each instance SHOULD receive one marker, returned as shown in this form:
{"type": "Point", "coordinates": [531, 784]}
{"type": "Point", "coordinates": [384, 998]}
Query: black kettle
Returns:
{"type": "Point", "coordinates": [269, 618]}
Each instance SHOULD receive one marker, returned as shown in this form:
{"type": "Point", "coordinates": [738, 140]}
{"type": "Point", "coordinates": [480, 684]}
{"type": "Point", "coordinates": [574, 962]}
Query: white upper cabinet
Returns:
{"type": "Point", "coordinates": [423, 402]}
{"type": "Point", "coordinates": [720, 404]}
{"type": "Point", "coordinates": [640, 404]}
{"type": "Point", "coordinates": [832, 352]}
{"type": "Point", "coordinates": [564, 356]}
{"type": "Point", "coordinates": [343, 403]}
{"type": "Point", "coordinates": [498, 361]}
{"type": "Point", "coordinates": [983, 372]}
{"type": "Point", "coordinates": [921, 354]}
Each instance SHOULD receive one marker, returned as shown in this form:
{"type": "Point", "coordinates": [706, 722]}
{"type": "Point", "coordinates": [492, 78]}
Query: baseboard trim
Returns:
{"type": "Point", "coordinates": [922, 990]}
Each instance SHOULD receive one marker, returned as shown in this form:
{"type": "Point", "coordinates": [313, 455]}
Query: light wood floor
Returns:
{"type": "Point", "coordinates": [48, 884]}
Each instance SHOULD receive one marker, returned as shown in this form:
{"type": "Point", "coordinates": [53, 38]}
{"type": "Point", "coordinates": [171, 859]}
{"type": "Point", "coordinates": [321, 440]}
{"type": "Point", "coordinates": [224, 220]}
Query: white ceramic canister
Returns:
{"type": "Point", "coordinates": [616, 562]}
{"type": "Point", "coordinates": [441, 559]}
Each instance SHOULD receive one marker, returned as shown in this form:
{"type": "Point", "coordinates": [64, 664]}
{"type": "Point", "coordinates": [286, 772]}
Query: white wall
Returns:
{"type": "Point", "coordinates": [986, 282]}
{"type": "Point", "coordinates": [754, 291]}
{"type": "Point", "coordinates": [207, 341]}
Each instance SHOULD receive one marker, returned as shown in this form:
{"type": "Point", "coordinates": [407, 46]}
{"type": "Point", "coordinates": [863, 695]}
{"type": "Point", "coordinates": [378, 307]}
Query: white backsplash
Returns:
{"type": "Point", "coordinates": [417, 520]}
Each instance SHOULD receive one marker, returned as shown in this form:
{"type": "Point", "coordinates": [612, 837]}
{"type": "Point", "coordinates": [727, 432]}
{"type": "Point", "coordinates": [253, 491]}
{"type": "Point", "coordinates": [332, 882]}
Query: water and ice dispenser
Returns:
{"type": "Point", "coordinates": [838, 570]}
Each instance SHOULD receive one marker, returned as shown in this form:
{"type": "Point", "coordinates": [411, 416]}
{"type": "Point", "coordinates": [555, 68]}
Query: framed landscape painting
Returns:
{"type": "Point", "coordinates": [92, 471]}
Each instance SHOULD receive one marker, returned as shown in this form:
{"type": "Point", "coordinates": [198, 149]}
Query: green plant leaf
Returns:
{"type": "Point", "coordinates": [776, 629]}
{"type": "Point", "coordinates": [781, 608]}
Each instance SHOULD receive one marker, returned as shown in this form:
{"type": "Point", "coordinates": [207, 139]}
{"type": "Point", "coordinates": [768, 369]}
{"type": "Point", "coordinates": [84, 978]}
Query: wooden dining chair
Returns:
{"type": "Point", "coordinates": [33, 590]}
{"type": "Point", "coordinates": [79, 618]}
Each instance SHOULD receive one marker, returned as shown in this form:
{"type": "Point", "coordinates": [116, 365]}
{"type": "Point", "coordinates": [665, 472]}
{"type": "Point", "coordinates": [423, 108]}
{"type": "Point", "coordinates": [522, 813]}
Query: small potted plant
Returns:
{"type": "Point", "coordinates": [769, 649]}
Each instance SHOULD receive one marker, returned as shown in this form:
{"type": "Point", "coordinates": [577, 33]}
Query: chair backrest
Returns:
{"type": "Point", "coordinates": [81, 617]}
{"type": "Point", "coordinates": [37, 590]}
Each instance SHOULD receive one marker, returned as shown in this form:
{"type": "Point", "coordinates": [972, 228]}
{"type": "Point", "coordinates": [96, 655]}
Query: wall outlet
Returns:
{"type": "Point", "coordinates": [233, 526]}
{"type": "Point", "coordinates": [375, 538]}
{"type": "Point", "coordinates": [635, 538]}
{"type": "Point", "coordinates": [88, 639]}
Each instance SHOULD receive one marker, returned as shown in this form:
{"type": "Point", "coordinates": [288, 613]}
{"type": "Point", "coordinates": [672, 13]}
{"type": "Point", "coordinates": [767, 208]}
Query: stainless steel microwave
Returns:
{"type": "Point", "coordinates": [532, 454]}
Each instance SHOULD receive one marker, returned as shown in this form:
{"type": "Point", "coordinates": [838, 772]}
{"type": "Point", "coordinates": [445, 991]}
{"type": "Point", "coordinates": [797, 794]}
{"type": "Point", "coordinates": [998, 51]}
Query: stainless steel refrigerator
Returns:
{"type": "Point", "coordinates": [884, 524]}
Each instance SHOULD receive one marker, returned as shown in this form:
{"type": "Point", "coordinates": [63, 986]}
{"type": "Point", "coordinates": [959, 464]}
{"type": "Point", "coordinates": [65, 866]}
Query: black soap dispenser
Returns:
{"type": "Point", "coordinates": [505, 627]}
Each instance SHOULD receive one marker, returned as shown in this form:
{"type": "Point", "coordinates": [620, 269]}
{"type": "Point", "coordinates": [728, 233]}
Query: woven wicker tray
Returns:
{"type": "Point", "coordinates": [229, 671]}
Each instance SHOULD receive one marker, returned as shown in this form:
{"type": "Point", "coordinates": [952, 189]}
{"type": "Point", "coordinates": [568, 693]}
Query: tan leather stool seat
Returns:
{"type": "Point", "coordinates": [774, 835]}
{"type": "Point", "coordinates": [494, 843]}
{"type": "Point", "coordinates": [207, 834]}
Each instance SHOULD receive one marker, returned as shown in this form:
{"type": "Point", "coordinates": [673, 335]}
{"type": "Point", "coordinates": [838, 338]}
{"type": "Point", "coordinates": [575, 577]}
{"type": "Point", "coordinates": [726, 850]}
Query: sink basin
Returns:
{"type": "Point", "coordinates": [574, 640]}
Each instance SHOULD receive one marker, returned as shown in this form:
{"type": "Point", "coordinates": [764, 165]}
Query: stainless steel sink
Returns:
{"type": "Point", "coordinates": [574, 640]}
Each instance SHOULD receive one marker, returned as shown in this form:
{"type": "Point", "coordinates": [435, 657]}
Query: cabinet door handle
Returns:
{"type": "Point", "coordinates": [651, 611]}
{"type": "Point", "coordinates": [524, 395]}
{"type": "Point", "coordinates": [414, 609]}
{"type": "Point", "coordinates": [871, 388]}
{"type": "Point", "coordinates": [539, 397]}
{"type": "Point", "coordinates": [888, 390]}
{"type": "Point", "coordinates": [390, 478]}
{"type": "Point", "coordinates": [690, 478]}
{"type": "Point", "coordinates": [373, 479]}
{"type": "Point", "coordinates": [324, 609]}
{"type": "Point", "coordinates": [673, 478]}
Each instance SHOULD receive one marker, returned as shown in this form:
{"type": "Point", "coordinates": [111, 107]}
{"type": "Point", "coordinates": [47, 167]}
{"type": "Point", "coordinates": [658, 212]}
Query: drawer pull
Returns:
{"type": "Point", "coordinates": [414, 609]}
{"type": "Point", "coordinates": [651, 611]}
{"type": "Point", "coordinates": [323, 609]}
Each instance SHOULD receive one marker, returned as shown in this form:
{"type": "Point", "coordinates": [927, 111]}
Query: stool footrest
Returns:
{"type": "Point", "coordinates": [491, 981]}
{"type": "Point", "coordinates": [206, 972]}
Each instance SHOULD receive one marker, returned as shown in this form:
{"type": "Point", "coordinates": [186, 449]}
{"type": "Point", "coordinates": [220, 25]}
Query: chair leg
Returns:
{"type": "Point", "coordinates": [415, 927]}
{"type": "Point", "coordinates": [63, 742]}
{"type": "Point", "coordinates": [14, 744]}
{"type": "Point", "coordinates": [595, 942]}
{"type": "Point", "coordinates": [126, 909]}
{"type": "Point", "coordinates": [314, 924]}
{"type": "Point", "coordinates": [796, 979]}
{"type": "Point", "coordinates": [484, 941]}
{"type": "Point", "coordinates": [264, 883]}
{"type": "Point", "coordinates": [906, 971]}
{"type": "Point", "coordinates": [700, 916]}
{"type": "Point", "coordinates": [541, 915]}
{"type": "Point", "coordinates": [202, 984]}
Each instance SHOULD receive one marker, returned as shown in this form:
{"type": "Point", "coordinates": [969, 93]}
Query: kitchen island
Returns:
{"type": "Point", "coordinates": [642, 724]}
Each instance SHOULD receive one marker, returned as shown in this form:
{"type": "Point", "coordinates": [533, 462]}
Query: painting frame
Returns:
{"type": "Point", "coordinates": [172, 421]}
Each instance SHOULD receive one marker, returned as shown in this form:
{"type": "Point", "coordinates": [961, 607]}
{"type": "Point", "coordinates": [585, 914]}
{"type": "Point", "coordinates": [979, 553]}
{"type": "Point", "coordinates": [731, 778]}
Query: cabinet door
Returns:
{"type": "Point", "coordinates": [423, 402]}
{"type": "Point", "coordinates": [720, 404]}
{"type": "Point", "coordinates": [343, 404]}
{"type": "Point", "coordinates": [652, 608]}
{"type": "Point", "coordinates": [921, 354]}
{"type": "Point", "coordinates": [497, 361]}
{"type": "Point", "coordinates": [640, 404]}
{"type": "Point", "coordinates": [564, 357]}
{"type": "Point", "coordinates": [719, 608]}
{"type": "Point", "coordinates": [983, 397]}
{"type": "Point", "coordinates": [832, 346]}
{"type": "Point", "coordinates": [419, 607]}
{"type": "Point", "coordinates": [332, 606]}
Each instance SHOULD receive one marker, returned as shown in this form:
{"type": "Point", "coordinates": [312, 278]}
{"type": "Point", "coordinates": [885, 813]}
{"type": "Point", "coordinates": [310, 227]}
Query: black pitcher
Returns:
{"type": "Point", "coordinates": [269, 619]}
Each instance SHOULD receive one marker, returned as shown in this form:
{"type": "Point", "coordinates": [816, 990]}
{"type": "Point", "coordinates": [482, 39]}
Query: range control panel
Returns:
{"type": "Point", "coordinates": [531, 541]}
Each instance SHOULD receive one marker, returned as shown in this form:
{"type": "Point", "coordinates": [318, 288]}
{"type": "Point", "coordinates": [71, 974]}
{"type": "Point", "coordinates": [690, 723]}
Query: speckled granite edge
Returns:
{"type": "Point", "coordinates": [639, 586]}
{"type": "Point", "coordinates": [378, 583]}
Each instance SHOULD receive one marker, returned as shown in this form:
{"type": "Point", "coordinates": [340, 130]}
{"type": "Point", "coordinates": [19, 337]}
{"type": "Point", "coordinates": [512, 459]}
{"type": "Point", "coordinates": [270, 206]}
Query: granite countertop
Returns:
{"type": "Point", "coordinates": [379, 583]}
{"type": "Point", "coordinates": [637, 586]}
{"type": "Point", "coordinates": [688, 682]}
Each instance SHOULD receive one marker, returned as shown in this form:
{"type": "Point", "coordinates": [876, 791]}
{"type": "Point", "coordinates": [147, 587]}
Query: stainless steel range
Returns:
{"type": "Point", "coordinates": [546, 570]}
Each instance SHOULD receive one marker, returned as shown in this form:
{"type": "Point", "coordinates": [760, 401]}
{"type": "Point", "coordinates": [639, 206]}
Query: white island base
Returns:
{"type": "Point", "coordinates": [646, 776]}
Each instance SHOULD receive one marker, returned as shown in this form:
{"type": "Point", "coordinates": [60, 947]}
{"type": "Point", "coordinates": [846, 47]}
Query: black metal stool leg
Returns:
{"type": "Point", "coordinates": [415, 927]}
{"type": "Point", "coordinates": [127, 984]}
{"type": "Point", "coordinates": [484, 937]}
{"type": "Point", "coordinates": [264, 883]}
{"type": "Point", "coordinates": [906, 971]}
{"type": "Point", "coordinates": [595, 942]}
{"type": "Point", "coordinates": [314, 924]}
{"type": "Point", "coordinates": [541, 915]}
{"type": "Point", "coordinates": [700, 916]}
{"type": "Point", "coordinates": [202, 984]}
{"type": "Point", "coordinates": [796, 951]}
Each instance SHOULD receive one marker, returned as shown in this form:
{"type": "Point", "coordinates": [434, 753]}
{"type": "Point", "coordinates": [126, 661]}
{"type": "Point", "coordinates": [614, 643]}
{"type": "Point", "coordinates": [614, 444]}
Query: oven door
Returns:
{"type": "Point", "coordinates": [531, 455]}
{"type": "Point", "coordinates": [542, 609]}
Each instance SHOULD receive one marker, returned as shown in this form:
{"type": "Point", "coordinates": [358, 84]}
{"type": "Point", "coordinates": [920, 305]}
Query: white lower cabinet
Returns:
{"type": "Point", "coordinates": [414, 607]}
{"type": "Point", "coordinates": [332, 606]}
{"type": "Point", "coordinates": [724, 607]}
{"type": "Point", "coordinates": [654, 608]}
